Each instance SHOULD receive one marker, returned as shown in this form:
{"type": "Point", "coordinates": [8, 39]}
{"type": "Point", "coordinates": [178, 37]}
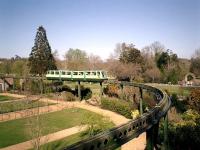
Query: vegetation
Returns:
{"type": "Point", "coordinates": [15, 131]}
{"type": "Point", "coordinates": [195, 63]}
{"type": "Point", "coordinates": [6, 98]}
{"type": "Point", "coordinates": [185, 134]}
{"type": "Point", "coordinates": [41, 58]}
{"type": "Point", "coordinates": [113, 104]}
{"type": "Point", "coordinates": [21, 105]}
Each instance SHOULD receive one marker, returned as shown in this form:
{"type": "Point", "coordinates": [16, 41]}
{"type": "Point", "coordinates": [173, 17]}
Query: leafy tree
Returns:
{"type": "Point", "coordinates": [41, 58]}
{"type": "Point", "coordinates": [195, 63]}
{"type": "Point", "coordinates": [76, 59]}
{"type": "Point", "coordinates": [130, 54]}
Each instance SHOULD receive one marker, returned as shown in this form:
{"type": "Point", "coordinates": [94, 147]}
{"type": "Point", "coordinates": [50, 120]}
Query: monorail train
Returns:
{"type": "Point", "coordinates": [87, 76]}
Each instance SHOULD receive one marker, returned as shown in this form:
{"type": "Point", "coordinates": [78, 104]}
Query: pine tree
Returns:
{"type": "Point", "coordinates": [41, 58]}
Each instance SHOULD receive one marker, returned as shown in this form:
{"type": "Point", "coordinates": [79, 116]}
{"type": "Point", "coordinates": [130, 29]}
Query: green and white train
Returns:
{"type": "Point", "coordinates": [85, 76]}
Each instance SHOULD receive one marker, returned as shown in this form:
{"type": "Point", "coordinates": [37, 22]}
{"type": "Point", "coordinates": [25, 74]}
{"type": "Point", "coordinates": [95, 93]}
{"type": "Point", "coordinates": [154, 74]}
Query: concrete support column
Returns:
{"type": "Point", "coordinates": [101, 90]}
{"type": "Point", "coordinates": [79, 90]}
{"type": "Point", "coordinates": [166, 146]}
{"type": "Point", "coordinates": [141, 99]}
{"type": "Point", "coordinates": [152, 136]}
{"type": "Point", "coordinates": [122, 91]}
{"type": "Point", "coordinates": [150, 139]}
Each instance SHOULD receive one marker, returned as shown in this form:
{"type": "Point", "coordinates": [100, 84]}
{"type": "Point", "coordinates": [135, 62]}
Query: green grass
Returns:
{"type": "Point", "coordinates": [182, 91]}
{"type": "Point", "coordinates": [15, 131]}
{"type": "Point", "coordinates": [6, 98]}
{"type": "Point", "coordinates": [20, 105]}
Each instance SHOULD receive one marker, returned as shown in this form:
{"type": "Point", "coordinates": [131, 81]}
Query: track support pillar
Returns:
{"type": "Point", "coordinates": [79, 90]}
{"type": "Point", "coordinates": [101, 90]}
{"type": "Point", "coordinates": [122, 91]}
{"type": "Point", "coordinates": [141, 99]}
{"type": "Point", "coordinates": [166, 146]}
{"type": "Point", "coordinates": [149, 139]}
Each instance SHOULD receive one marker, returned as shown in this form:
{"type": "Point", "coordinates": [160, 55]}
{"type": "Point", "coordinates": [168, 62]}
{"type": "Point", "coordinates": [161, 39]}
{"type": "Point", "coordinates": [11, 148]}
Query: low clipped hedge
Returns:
{"type": "Point", "coordinates": [118, 106]}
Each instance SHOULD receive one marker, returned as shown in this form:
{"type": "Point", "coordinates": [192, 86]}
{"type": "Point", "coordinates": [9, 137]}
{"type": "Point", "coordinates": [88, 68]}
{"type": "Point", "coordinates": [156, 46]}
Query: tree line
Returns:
{"type": "Point", "coordinates": [153, 63]}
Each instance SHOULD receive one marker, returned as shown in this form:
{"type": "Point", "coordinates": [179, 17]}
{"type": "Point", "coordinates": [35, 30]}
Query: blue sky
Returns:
{"type": "Point", "coordinates": [97, 25]}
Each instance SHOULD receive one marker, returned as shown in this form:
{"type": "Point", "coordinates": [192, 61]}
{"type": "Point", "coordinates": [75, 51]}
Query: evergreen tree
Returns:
{"type": "Point", "coordinates": [41, 58]}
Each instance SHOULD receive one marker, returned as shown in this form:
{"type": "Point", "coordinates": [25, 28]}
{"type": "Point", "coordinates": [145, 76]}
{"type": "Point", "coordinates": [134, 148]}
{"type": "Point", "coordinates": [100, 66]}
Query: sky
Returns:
{"type": "Point", "coordinates": [96, 26]}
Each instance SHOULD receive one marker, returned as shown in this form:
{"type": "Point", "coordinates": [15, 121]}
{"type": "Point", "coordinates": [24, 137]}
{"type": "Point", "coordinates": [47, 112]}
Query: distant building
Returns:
{"type": "Point", "coordinates": [6, 83]}
{"type": "Point", "coordinates": [190, 80]}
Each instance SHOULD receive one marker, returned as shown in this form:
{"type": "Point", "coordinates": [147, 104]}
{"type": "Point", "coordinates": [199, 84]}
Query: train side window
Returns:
{"type": "Point", "coordinates": [80, 73]}
{"type": "Point", "coordinates": [88, 73]}
{"type": "Point", "coordinates": [63, 73]}
{"type": "Point", "coordinates": [102, 74]}
{"type": "Point", "coordinates": [94, 73]}
{"type": "Point", "coordinates": [98, 73]}
{"type": "Point", "coordinates": [52, 72]}
{"type": "Point", "coordinates": [68, 73]}
{"type": "Point", "coordinates": [57, 72]}
{"type": "Point", "coordinates": [75, 73]}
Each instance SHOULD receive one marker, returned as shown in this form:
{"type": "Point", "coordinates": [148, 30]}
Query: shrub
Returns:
{"type": "Point", "coordinates": [113, 104]}
{"type": "Point", "coordinates": [179, 105]}
{"type": "Point", "coordinates": [111, 90]}
{"type": "Point", "coordinates": [86, 93]}
{"type": "Point", "coordinates": [94, 125]}
{"type": "Point", "coordinates": [68, 96]}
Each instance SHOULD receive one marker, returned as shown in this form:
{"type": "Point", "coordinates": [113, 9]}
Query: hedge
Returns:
{"type": "Point", "coordinates": [118, 106]}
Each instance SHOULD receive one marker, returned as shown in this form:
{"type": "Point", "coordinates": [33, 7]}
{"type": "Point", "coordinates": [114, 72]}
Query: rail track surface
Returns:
{"type": "Point", "coordinates": [147, 122]}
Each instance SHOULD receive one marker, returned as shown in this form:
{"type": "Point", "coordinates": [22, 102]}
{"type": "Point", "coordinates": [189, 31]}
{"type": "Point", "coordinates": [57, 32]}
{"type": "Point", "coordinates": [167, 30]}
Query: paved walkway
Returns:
{"type": "Point", "coordinates": [48, 138]}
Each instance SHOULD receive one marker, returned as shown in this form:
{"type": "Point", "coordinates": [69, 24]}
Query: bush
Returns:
{"type": "Point", "coordinates": [68, 96]}
{"type": "Point", "coordinates": [179, 105]}
{"type": "Point", "coordinates": [111, 90]}
{"type": "Point", "coordinates": [113, 104]}
{"type": "Point", "coordinates": [86, 93]}
{"type": "Point", "coordinates": [185, 134]}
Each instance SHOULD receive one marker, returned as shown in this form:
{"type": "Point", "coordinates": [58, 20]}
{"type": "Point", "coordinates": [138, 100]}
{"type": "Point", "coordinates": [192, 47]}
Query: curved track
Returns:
{"type": "Point", "coordinates": [117, 136]}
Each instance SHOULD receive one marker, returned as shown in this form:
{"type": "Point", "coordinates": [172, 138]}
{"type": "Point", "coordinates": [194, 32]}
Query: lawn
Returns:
{"type": "Point", "coordinates": [16, 131]}
{"type": "Point", "coordinates": [182, 91]}
{"type": "Point", "coordinates": [6, 98]}
{"type": "Point", "coordinates": [20, 105]}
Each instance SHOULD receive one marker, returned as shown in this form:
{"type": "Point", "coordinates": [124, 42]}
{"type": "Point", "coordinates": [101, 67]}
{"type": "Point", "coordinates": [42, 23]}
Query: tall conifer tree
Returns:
{"type": "Point", "coordinates": [41, 58]}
